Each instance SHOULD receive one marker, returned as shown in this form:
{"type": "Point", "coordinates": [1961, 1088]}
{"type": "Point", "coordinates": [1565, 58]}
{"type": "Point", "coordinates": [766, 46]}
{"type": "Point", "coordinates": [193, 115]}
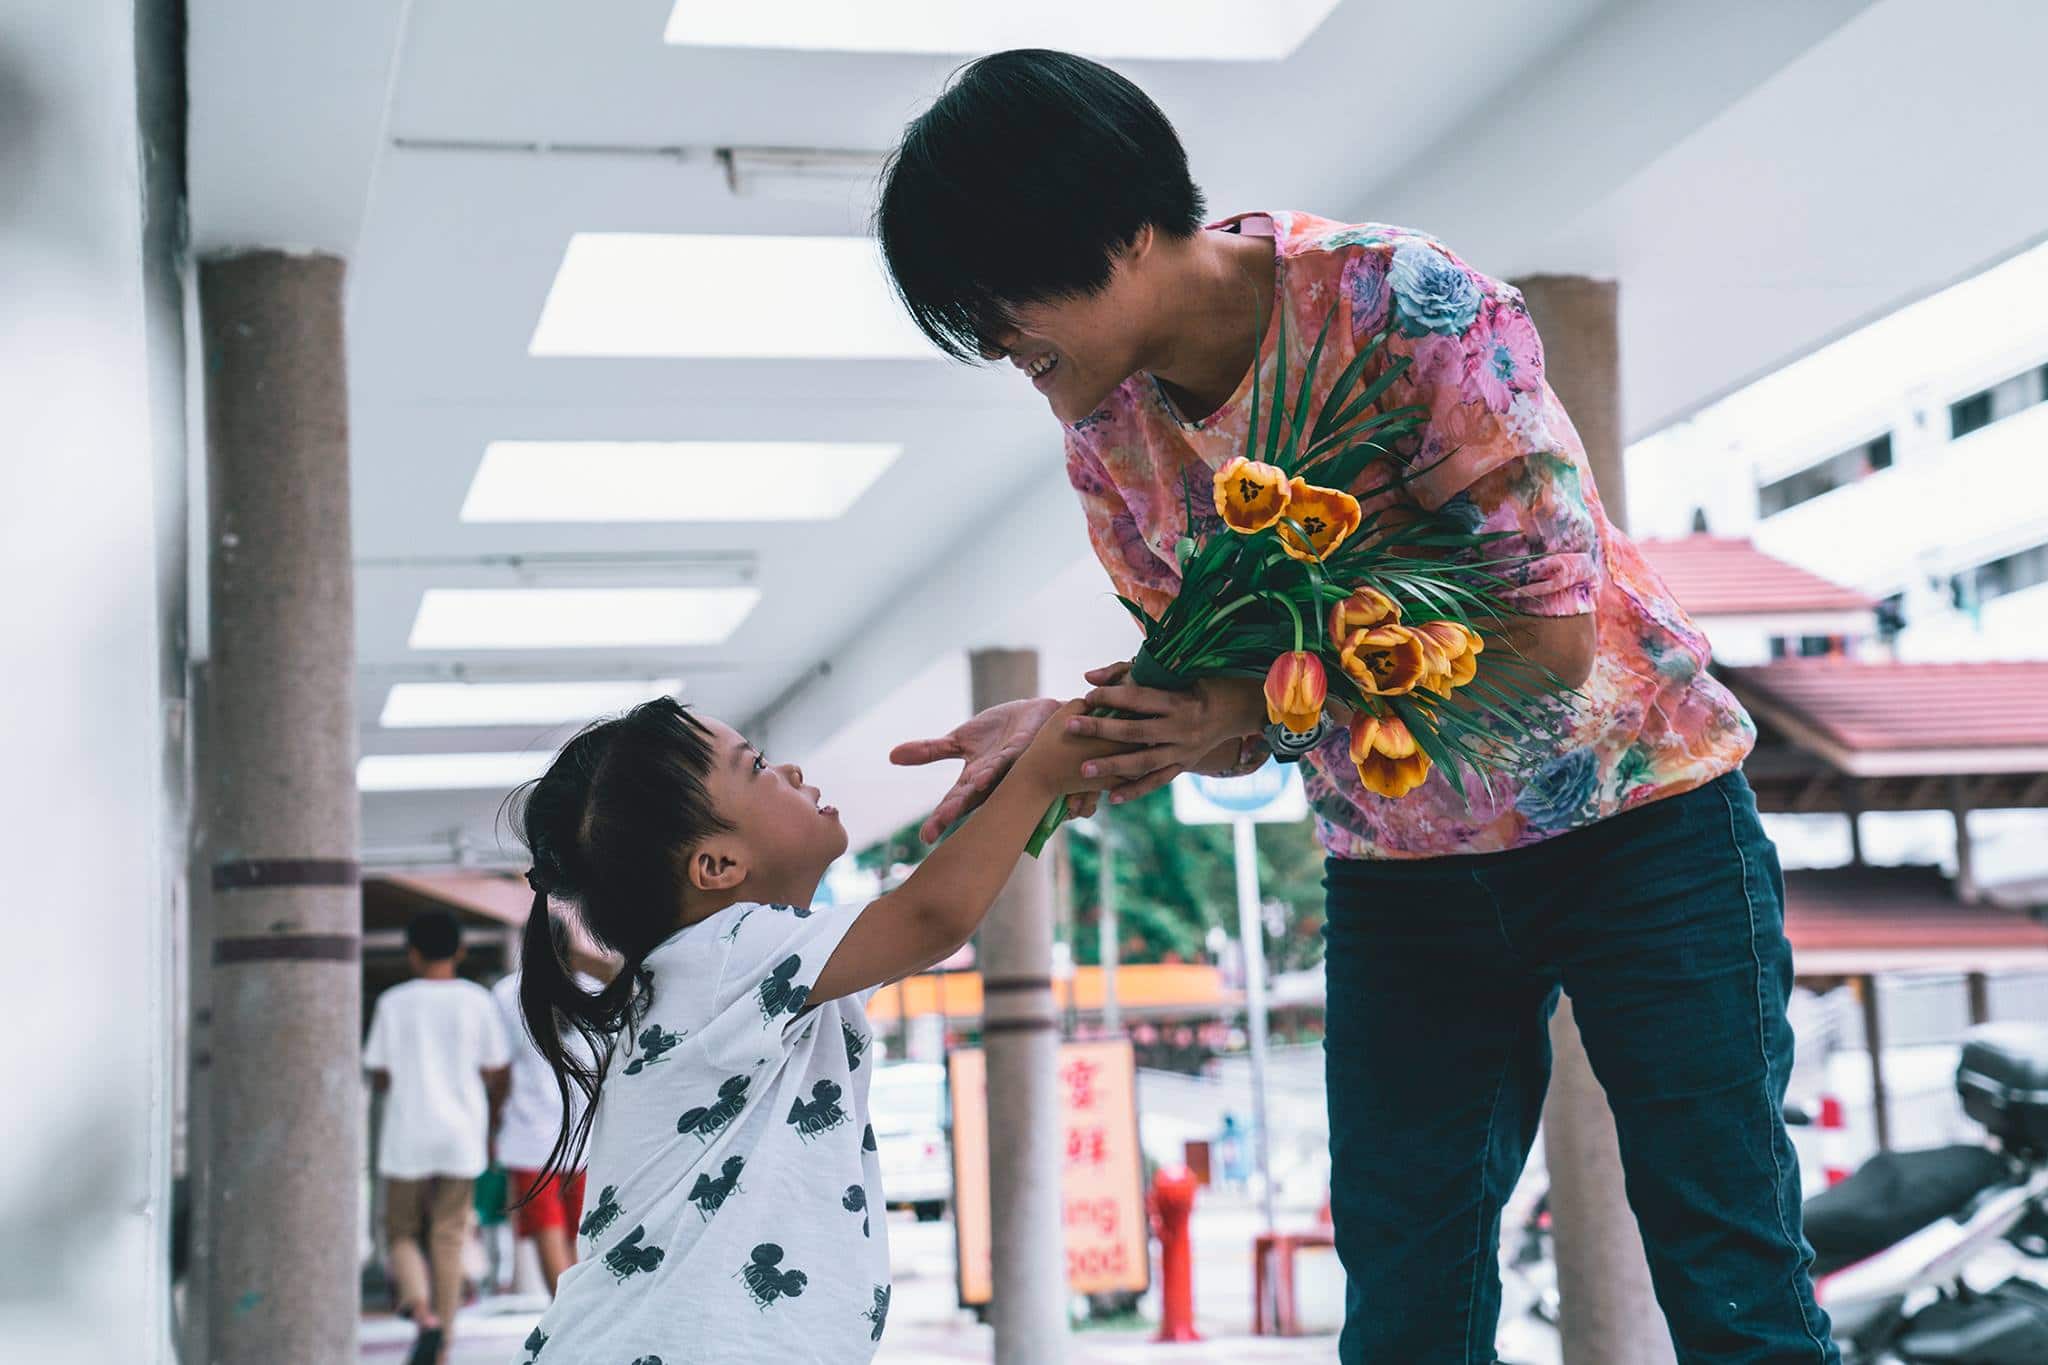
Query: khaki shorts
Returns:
{"type": "Point", "coordinates": [416, 1209]}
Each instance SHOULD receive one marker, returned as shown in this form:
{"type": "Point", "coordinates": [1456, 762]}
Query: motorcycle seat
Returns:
{"type": "Point", "coordinates": [1893, 1196]}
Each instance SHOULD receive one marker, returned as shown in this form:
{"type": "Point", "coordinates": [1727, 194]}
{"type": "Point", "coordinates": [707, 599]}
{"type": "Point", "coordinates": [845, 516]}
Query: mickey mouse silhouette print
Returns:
{"type": "Point", "coordinates": [709, 1195]}
{"type": "Point", "coordinates": [777, 993]}
{"type": "Point", "coordinates": [855, 1200]}
{"type": "Point", "coordinates": [819, 1114]}
{"type": "Point", "coordinates": [629, 1258]}
{"type": "Point", "coordinates": [708, 1121]}
{"type": "Point", "coordinates": [767, 1283]}
{"type": "Point", "coordinates": [599, 1220]}
{"type": "Point", "coordinates": [856, 1045]}
{"type": "Point", "coordinates": [879, 1314]}
{"type": "Point", "coordinates": [655, 1043]}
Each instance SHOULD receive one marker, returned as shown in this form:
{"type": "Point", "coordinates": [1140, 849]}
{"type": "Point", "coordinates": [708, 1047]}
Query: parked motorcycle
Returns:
{"type": "Point", "coordinates": [1891, 1242]}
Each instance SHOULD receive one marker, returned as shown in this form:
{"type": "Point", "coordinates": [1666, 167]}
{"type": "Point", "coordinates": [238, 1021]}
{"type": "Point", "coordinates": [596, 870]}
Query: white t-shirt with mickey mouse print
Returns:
{"type": "Point", "coordinates": [733, 1206]}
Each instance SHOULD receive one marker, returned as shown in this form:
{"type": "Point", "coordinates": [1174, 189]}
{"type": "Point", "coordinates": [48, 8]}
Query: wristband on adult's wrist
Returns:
{"type": "Point", "coordinates": [1288, 746]}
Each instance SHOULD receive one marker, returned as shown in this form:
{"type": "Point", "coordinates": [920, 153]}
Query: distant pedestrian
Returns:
{"type": "Point", "coordinates": [532, 1117]}
{"type": "Point", "coordinates": [438, 1053]}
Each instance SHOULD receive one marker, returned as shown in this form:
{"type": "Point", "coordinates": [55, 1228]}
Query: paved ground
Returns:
{"type": "Point", "coordinates": [927, 1327]}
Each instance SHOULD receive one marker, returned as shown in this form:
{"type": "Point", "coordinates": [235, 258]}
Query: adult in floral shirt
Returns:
{"type": "Point", "coordinates": [1042, 212]}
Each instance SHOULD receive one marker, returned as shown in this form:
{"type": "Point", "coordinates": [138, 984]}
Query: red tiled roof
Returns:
{"type": "Point", "coordinates": [1853, 919]}
{"type": "Point", "coordinates": [1725, 576]}
{"type": "Point", "coordinates": [1890, 706]}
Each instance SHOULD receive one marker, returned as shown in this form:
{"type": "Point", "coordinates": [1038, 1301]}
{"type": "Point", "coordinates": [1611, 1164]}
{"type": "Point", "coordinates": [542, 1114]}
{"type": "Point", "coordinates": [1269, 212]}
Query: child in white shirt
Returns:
{"type": "Point", "coordinates": [437, 1050]}
{"type": "Point", "coordinates": [733, 1185]}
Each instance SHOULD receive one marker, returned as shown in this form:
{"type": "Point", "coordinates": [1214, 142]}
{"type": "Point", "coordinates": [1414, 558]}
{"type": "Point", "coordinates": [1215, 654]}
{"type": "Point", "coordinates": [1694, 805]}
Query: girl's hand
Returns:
{"type": "Point", "coordinates": [1171, 732]}
{"type": "Point", "coordinates": [1059, 756]}
{"type": "Point", "coordinates": [987, 744]}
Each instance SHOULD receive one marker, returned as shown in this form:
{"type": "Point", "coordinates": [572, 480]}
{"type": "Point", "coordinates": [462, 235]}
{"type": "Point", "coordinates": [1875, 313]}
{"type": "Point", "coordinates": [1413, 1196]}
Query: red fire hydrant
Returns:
{"type": "Point", "coordinates": [1173, 1206]}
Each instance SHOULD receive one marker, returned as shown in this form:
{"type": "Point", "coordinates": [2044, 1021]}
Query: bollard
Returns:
{"type": "Point", "coordinates": [1173, 1207]}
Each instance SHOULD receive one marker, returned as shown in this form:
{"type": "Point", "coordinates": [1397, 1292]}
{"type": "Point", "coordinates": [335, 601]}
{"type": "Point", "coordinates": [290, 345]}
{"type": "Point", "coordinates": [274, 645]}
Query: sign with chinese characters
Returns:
{"type": "Point", "coordinates": [1102, 1187]}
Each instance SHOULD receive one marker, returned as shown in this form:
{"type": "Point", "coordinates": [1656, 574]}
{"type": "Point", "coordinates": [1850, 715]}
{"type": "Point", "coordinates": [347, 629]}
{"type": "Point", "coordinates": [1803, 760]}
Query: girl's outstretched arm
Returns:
{"type": "Point", "coordinates": [926, 919]}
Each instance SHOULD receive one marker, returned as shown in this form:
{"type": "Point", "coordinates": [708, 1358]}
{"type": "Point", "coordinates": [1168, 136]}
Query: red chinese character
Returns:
{"type": "Point", "coordinates": [1087, 1146]}
{"type": "Point", "coordinates": [1079, 1076]}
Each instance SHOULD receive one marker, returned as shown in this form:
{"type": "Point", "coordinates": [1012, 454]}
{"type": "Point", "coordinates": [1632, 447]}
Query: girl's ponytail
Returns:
{"type": "Point", "coordinates": [552, 1003]}
{"type": "Point", "coordinates": [605, 825]}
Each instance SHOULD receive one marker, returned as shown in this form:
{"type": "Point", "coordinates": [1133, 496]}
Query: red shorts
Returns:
{"type": "Point", "coordinates": [560, 1205]}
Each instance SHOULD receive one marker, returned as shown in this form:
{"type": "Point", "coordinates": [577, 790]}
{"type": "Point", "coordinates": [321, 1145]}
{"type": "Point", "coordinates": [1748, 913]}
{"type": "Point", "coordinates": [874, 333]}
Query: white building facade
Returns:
{"type": "Point", "coordinates": [1907, 459]}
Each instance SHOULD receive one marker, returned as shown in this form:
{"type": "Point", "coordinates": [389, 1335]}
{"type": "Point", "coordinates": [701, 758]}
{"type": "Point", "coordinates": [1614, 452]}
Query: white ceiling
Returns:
{"type": "Point", "coordinates": [1760, 176]}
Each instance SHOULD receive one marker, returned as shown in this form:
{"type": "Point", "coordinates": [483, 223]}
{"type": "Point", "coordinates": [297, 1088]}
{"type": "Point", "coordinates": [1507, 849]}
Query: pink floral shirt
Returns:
{"type": "Point", "coordinates": [1650, 722]}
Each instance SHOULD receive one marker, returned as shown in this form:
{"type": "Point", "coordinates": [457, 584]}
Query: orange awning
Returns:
{"type": "Point", "coordinates": [1169, 988]}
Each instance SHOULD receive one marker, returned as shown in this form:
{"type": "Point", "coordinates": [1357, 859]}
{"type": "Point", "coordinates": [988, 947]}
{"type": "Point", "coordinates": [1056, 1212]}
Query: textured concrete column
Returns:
{"type": "Point", "coordinates": [1021, 1032]}
{"type": "Point", "coordinates": [1610, 1311]}
{"type": "Point", "coordinates": [279, 813]}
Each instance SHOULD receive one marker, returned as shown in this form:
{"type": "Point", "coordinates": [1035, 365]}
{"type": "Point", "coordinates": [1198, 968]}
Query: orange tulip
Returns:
{"type": "Point", "coordinates": [1385, 661]}
{"type": "Point", "coordinates": [1364, 609]}
{"type": "Point", "coordinates": [1325, 514]}
{"type": "Point", "coordinates": [1250, 496]}
{"type": "Point", "coordinates": [1295, 690]}
{"type": "Point", "coordinates": [1455, 650]}
{"type": "Point", "coordinates": [1389, 760]}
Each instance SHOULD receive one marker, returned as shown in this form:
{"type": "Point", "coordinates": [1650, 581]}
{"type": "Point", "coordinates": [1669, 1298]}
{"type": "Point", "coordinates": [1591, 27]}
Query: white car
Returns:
{"type": "Point", "coordinates": [907, 1103]}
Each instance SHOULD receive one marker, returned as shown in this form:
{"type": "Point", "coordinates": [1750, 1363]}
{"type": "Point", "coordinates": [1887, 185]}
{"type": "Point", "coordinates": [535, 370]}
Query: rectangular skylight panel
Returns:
{"type": "Point", "coordinates": [723, 297]}
{"type": "Point", "coordinates": [414, 705]}
{"type": "Point", "coordinates": [1145, 30]}
{"type": "Point", "coordinates": [612, 481]}
{"type": "Point", "coordinates": [448, 772]}
{"type": "Point", "coordinates": [579, 618]}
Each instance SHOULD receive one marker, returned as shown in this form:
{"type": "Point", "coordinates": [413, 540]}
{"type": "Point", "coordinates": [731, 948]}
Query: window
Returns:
{"type": "Point", "coordinates": [1970, 414]}
{"type": "Point", "coordinates": [1995, 578]}
{"type": "Point", "coordinates": [1808, 646]}
{"type": "Point", "coordinates": [1997, 403]}
{"type": "Point", "coordinates": [1891, 616]}
{"type": "Point", "coordinates": [1837, 471]}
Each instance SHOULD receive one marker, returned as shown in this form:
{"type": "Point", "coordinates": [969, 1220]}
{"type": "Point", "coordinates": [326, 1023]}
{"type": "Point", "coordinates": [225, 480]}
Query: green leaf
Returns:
{"type": "Point", "coordinates": [1308, 375]}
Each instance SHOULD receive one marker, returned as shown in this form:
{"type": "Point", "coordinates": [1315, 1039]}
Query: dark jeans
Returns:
{"type": "Point", "coordinates": [1665, 925]}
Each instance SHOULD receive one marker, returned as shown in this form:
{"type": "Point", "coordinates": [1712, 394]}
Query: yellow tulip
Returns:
{"type": "Point", "coordinates": [1325, 514]}
{"type": "Point", "coordinates": [1385, 661]}
{"type": "Point", "coordinates": [1364, 609]}
{"type": "Point", "coordinates": [1296, 688]}
{"type": "Point", "coordinates": [1250, 496]}
{"type": "Point", "coordinates": [1454, 655]}
{"type": "Point", "coordinates": [1390, 762]}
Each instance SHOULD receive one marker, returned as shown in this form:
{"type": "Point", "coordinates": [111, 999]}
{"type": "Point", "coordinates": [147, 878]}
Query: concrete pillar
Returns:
{"type": "Point", "coordinates": [1967, 889]}
{"type": "Point", "coordinates": [1108, 940]}
{"type": "Point", "coordinates": [1021, 1033]}
{"type": "Point", "coordinates": [1610, 1313]}
{"type": "Point", "coordinates": [278, 807]}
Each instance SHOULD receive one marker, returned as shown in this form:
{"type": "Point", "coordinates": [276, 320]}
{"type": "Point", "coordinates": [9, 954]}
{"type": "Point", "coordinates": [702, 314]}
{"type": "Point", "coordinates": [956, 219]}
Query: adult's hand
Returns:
{"type": "Point", "coordinates": [987, 744]}
{"type": "Point", "coordinates": [1170, 733]}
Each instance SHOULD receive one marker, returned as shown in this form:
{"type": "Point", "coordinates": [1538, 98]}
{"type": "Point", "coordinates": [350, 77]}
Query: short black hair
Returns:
{"type": "Point", "coordinates": [435, 935]}
{"type": "Point", "coordinates": [1019, 185]}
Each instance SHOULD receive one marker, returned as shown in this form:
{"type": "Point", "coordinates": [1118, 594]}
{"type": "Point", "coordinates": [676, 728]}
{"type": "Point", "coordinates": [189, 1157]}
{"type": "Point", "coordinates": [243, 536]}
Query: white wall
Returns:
{"type": "Point", "coordinates": [82, 806]}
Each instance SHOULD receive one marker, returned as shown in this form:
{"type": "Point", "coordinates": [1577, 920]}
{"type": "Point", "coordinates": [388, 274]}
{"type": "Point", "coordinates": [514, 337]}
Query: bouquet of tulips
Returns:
{"type": "Point", "coordinates": [1380, 610]}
